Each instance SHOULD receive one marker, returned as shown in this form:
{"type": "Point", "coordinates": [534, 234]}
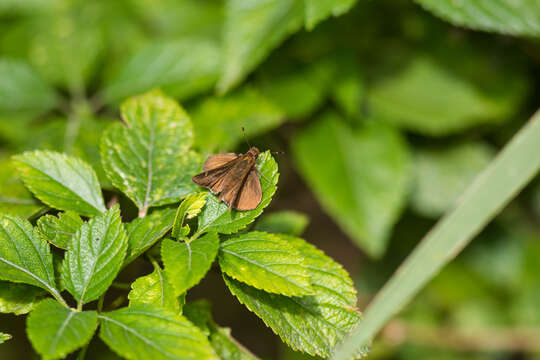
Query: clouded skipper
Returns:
{"type": "Point", "coordinates": [235, 177]}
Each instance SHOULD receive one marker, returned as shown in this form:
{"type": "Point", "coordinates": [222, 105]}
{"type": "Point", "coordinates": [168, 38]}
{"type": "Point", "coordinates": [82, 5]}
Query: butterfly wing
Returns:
{"type": "Point", "coordinates": [218, 160]}
{"type": "Point", "coordinates": [250, 194]}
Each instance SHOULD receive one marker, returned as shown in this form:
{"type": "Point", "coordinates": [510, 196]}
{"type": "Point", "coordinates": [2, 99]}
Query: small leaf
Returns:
{"type": "Point", "coordinates": [442, 175]}
{"type": "Point", "coordinates": [24, 256]}
{"type": "Point", "coordinates": [18, 299]}
{"type": "Point", "coordinates": [145, 232]}
{"type": "Point", "coordinates": [186, 263]}
{"type": "Point", "coordinates": [283, 222]}
{"type": "Point", "coordinates": [190, 207]}
{"type": "Point", "coordinates": [22, 90]}
{"type": "Point", "coordinates": [4, 337]}
{"type": "Point", "coordinates": [143, 332]}
{"type": "Point", "coordinates": [360, 176]}
{"type": "Point", "coordinates": [216, 215]}
{"type": "Point", "coordinates": [94, 257]}
{"type": "Point", "coordinates": [59, 230]}
{"type": "Point", "coordinates": [519, 17]}
{"type": "Point", "coordinates": [228, 348]}
{"type": "Point", "coordinates": [67, 46]}
{"type": "Point", "coordinates": [252, 30]}
{"type": "Point", "coordinates": [221, 119]}
{"type": "Point", "coordinates": [149, 159]}
{"type": "Point", "coordinates": [318, 10]}
{"type": "Point", "coordinates": [55, 331]}
{"type": "Point", "coordinates": [300, 91]}
{"type": "Point", "coordinates": [181, 68]}
{"type": "Point", "coordinates": [315, 323]}
{"type": "Point", "coordinates": [60, 181]}
{"type": "Point", "coordinates": [154, 289]}
{"type": "Point", "coordinates": [14, 198]}
{"type": "Point", "coordinates": [265, 262]}
{"type": "Point", "coordinates": [415, 98]}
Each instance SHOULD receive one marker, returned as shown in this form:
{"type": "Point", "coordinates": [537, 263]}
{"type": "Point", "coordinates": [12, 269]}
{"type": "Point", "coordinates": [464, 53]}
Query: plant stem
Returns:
{"type": "Point", "coordinates": [100, 303]}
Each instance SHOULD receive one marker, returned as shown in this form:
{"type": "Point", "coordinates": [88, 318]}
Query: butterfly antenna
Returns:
{"type": "Point", "coordinates": [245, 137]}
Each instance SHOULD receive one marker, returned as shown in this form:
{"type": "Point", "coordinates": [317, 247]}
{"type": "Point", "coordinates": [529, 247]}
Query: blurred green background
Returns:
{"type": "Point", "coordinates": [385, 114]}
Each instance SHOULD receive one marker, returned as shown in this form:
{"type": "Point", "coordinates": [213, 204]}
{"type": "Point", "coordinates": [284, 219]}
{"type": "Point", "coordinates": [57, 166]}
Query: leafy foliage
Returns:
{"type": "Point", "coordinates": [59, 230]}
{"type": "Point", "coordinates": [416, 97]}
{"type": "Point", "coordinates": [18, 298]}
{"type": "Point", "coordinates": [22, 90]}
{"type": "Point", "coordinates": [14, 198]}
{"type": "Point", "coordinates": [520, 17]}
{"type": "Point", "coordinates": [145, 232]}
{"type": "Point", "coordinates": [186, 263]}
{"type": "Point", "coordinates": [284, 222]}
{"type": "Point", "coordinates": [4, 337]}
{"type": "Point", "coordinates": [216, 216]}
{"type": "Point", "coordinates": [55, 330]}
{"type": "Point", "coordinates": [188, 209]}
{"type": "Point", "coordinates": [371, 164]}
{"type": "Point", "coordinates": [221, 119]}
{"type": "Point", "coordinates": [266, 262]}
{"type": "Point", "coordinates": [315, 323]}
{"type": "Point", "coordinates": [181, 68]}
{"type": "Point", "coordinates": [94, 257]}
{"type": "Point", "coordinates": [62, 182]}
{"type": "Point", "coordinates": [442, 175]}
{"type": "Point", "coordinates": [149, 158]}
{"type": "Point", "coordinates": [24, 256]}
{"type": "Point", "coordinates": [147, 332]}
{"type": "Point", "coordinates": [154, 289]}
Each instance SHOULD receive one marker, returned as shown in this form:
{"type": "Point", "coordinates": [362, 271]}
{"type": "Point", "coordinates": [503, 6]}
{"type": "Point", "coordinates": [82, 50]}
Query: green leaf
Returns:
{"type": "Point", "coordinates": [186, 263]}
{"type": "Point", "coordinates": [318, 10]}
{"type": "Point", "coordinates": [145, 232]}
{"type": "Point", "coordinates": [182, 68]}
{"type": "Point", "coordinates": [154, 289]}
{"type": "Point", "coordinates": [4, 337]}
{"type": "Point", "coordinates": [490, 192]}
{"type": "Point", "coordinates": [216, 215]}
{"type": "Point", "coordinates": [55, 330]}
{"type": "Point", "coordinates": [59, 230]}
{"type": "Point", "coordinates": [226, 347]}
{"type": "Point", "coordinates": [315, 323]}
{"type": "Point", "coordinates": [360, 176]}
{"type": "Point", "coordinates": [18, 298]}
{"type": "Point", "coordinates": [14, 198]}
{"type": "Point", "coordinates": [149, 159]}
{"type": "Point", "coordinates": [301, 90]}
{"type": "Point", "coordinates": [417, 97]}
{"type": "Point", "coordinates": [188, 209]}
{"type": "Point", "coordinates": [443, 174]}
{"type": "Point", "coordinates": [266, 262]}
{"type": "Point", "coordinates": [146, 332]}
{"type": "Point", "coordinates": [520, 17]}
{"type": "Point", "coordinates": [24, 256]}
{"type": "Point", "coordinates": [252, 30]}
{"type": "Point", "coordinates": [284, 222]}
{"type": "Point", "coordinates": [94, 257]}
{"type": "Point", "coordinates": [22, 90]}
{"type": "Point", "coordinates": [219, 120]}
{"type": "Point", "coordinates": [66, 46]}
{"type": "Point", "coordinates": [60, 181]}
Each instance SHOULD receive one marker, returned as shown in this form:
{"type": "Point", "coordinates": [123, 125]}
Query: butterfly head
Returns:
{"type": "Point", "coordinates": [253, 151]}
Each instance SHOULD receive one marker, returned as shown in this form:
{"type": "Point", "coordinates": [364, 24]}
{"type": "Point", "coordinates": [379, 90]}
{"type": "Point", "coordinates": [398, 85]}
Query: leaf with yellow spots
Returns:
{"type": "Point", "coordinates": [148, 157]}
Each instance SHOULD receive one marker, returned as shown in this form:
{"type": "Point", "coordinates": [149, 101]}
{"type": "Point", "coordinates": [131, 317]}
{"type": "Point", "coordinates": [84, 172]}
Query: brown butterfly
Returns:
{"type": "Point", "coordinates": [235, 177]}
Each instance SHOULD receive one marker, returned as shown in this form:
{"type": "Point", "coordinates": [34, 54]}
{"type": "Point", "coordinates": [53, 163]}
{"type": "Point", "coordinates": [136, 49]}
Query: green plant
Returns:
{"type": "Point", "coordinates": [303, 295]}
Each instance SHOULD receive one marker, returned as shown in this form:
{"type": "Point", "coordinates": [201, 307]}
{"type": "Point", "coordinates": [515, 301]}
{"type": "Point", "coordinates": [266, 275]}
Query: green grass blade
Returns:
{"type": "Point", "coordinates": [506, 175]}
